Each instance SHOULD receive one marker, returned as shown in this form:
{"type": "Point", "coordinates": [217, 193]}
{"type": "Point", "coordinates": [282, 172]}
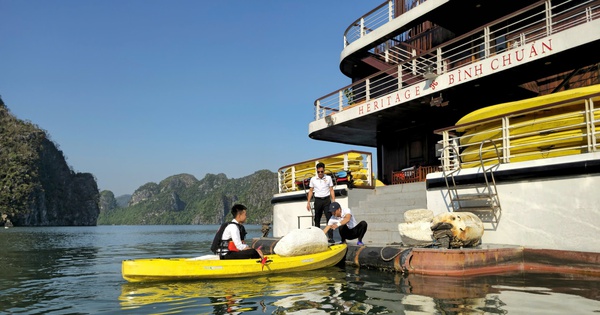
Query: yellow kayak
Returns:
{"type": "Point", "coordinates": [161, 269]}
{"type": "Point", "coordinates": [574, 139]}
{"type": "Point", "coordinates": [506, 108]}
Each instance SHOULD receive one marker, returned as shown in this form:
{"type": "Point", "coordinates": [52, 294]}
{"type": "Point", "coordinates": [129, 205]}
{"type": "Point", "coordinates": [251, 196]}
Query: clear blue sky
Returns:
{"type": "Point", "coordinates": [134, 91]}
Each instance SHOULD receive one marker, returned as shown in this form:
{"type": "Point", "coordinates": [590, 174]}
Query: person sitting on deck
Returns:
{"type": "Point", "coordinates": [344, 220]}
{"type": "Point", "coordinates": [229, 240]}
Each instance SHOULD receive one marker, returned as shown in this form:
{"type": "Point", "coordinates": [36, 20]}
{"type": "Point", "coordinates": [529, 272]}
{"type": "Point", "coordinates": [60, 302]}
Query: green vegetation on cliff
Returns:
{"type": "Point", "coordinates": [183, 199]}
{"type": "Point", "coordinates": [19, 145]}
{"type": "Point", "coordinates": [37, 187]}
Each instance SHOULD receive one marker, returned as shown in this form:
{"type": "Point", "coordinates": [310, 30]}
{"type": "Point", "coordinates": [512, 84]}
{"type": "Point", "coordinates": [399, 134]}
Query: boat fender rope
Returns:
{"type": "Point", "coordinates": [404, 252]}
{"type": "Point", "coordinates": [394, 256]}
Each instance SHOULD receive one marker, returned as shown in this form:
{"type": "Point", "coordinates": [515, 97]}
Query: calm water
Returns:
{"type": "Point", "coordinates": [77, 270]}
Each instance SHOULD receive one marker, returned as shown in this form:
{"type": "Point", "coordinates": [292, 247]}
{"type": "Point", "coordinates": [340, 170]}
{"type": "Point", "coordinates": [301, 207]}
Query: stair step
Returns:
{"type": "Point", "coordinates": [400, 188]}
{"type": "Point", "coordinates": [465, 197]}
{"type": "Point", "coordinates": [398, 203]}
{"type": "Point", "coordinates": [476, 209]}
{"type": "Point", "coordinates": [399, 195]}
{"type": "Point", "coordinates": [468, 186]}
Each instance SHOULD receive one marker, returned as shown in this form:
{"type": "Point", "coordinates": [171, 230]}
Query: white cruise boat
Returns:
{"type": "Point", "coordinates": [425, 75]}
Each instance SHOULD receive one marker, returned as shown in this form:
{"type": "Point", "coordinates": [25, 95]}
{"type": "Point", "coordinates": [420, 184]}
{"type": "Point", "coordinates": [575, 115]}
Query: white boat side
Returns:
{"type": "Point", "coordinates": [551, 212]}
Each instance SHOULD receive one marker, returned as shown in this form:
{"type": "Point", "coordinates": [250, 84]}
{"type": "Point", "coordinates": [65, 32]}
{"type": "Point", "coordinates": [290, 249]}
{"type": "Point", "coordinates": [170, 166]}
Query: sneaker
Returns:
{"type": "Point", "coordinates": [331, 241]}
{"type": "Point", "coordinates": [359, 243]}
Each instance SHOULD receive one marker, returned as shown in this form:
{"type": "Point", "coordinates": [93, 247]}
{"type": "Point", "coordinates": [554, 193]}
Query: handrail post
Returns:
{"type": "Point", "coordinates": [387, 52]}
{"type": "Point", "coordinates": [486, 42]}
{"type": "Point", "coordinates": [505, 140]}
{"type": "Point", "coordinates": [367, 90]}
{"type": "Point", "coordinates": [446, 150]}
{"type": "Point", "coordinates": [341, 100]}
{"type": "Point", "coordinates": [548, 10]}
{"type": "Point", "coordinates": [390, 10]}
{"type": "Point", "coordinates": [279, 175]}
{"type": "Point", "coordinates": [413, 54]}
{"type": "Point", "coordinates": [370, 170]}
{"type": "Point", "coordinates": [362, 27]}
{"type": "Point", "coordinates": [293, 178]}
{"type": "Point", "coordinates": [590, 125]}
{"type": "Point", "coordinates": [399, 77]}
{"type": "Point", "coordinates": [317, 110]}
{"type": "Point", "coordinates": [438, 62]}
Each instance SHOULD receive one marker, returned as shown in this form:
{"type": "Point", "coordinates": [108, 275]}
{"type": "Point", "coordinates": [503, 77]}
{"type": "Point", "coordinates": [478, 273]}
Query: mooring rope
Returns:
{"type": "Point", "coordinates": [395, 255]}
{"type": "Point", "coordinates": [402, 251]}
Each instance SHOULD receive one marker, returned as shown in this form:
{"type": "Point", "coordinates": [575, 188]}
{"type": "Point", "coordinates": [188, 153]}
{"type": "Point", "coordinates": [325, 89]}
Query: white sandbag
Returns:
{"type": "Point", "coordinates": [467, 228]}
{"type": "Point", "coordinates": [415, 233]}
{"type": "Point", "coordinates": [418, 215]}
{"type": "Point", "coordinates": [302, 242]}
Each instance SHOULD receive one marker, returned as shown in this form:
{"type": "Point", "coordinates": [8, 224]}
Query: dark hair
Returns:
{"type": "Point", "coordinates": [320, 165]}
{"type": "Point", "coordinates": [237, 208]}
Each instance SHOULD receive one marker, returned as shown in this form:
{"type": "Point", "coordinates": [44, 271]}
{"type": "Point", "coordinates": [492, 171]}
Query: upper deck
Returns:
{"type": "Point", "coordinates": [491, 53]}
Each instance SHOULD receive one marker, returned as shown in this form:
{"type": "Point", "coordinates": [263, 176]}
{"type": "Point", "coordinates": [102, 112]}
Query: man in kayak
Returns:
{"type": "Point", "coordinates": [321, 187]}
{"type": "Point", "coordinates": [342, 219]}
{"type": "Point", "coordinates": [229, 241]}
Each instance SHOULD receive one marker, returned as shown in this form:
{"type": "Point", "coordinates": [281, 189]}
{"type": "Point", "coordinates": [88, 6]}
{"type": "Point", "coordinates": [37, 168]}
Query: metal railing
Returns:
{"type": "Point", "coordinates": [374, 19]}
{"type": "Point", "coordinates": [570, 126]}
{"type": "Point", "coordinates": [514, 30]}
{"type": "Point", "coordinates": [353, 168]}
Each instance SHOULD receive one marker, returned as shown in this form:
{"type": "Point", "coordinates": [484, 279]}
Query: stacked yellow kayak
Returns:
{"type": "Point", "coordinates": [294, 176]}
{"type": "Point", "coordinates": [557, 131]}
{"type": "Point", "coordinates": [161, 269]}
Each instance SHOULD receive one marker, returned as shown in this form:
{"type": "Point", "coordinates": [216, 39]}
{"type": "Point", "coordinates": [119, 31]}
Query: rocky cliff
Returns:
{"type": "Point", "coordinates": [37, 187]}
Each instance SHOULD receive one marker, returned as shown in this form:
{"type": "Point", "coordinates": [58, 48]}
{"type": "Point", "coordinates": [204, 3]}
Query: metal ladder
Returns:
{"type": "Point", "coordinates": [484, 202]}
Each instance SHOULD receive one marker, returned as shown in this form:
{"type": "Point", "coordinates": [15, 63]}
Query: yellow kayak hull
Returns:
{"type": "Point", "coordinates": [163, 269]}
{"type": "Point", "coordinates": [544, 144]}
{"type": "Point", "coordinates": [546, 133]}
{"type": "Point", "coordinates": [506, 108]}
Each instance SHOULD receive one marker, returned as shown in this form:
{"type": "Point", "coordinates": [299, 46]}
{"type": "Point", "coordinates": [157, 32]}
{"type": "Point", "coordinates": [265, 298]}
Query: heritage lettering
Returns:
{"type": "Point", "coordinates": [507, 59]}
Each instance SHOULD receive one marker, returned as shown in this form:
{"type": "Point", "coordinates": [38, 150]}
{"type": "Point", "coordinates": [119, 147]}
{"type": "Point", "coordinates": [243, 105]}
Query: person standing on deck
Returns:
{"type": "Point", "coordinates": [321, 187]}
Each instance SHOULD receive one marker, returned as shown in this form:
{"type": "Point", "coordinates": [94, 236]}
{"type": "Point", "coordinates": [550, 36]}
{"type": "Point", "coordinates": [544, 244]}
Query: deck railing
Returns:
{"type": "Point", "coordinates": [520, 28]}
{"type": "Point", "coordinates": [569, 126]}
{"type": "Point", "coordinates": [413, 174]}
{"type": "Point", "coordinates": [352, 168]}
{"type": "Point", "coordinates": [374, 19]}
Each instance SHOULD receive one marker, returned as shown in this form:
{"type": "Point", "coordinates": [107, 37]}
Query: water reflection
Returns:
{"type": "Point", "coordinates": [236, 295]}
{"type": "Point", "coordinates": [499, 294]}
{"type": "Point", "coordinates": [359, 291]}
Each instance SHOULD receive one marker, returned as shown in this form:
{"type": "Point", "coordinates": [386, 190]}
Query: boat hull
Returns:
{"type": "Point", "coordinates": [162, 269]}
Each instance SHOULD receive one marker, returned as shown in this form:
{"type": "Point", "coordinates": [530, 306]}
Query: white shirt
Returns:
{"type": "Point", "coordinates": [233, 232]}
{"type": "Point", "coordinates": [321, 186]}
{"type": "Point", "coordinates": [336, 220]}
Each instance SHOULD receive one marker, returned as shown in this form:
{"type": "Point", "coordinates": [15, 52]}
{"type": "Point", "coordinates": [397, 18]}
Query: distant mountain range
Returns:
{"type": "Point", "coordinates": [38, 188]}
{"type": "Point", "coordinates": [183, 199]}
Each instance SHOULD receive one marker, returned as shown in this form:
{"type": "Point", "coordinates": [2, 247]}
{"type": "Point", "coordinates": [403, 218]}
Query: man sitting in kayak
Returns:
{"type": "Point", "coordinates": [229, 240]}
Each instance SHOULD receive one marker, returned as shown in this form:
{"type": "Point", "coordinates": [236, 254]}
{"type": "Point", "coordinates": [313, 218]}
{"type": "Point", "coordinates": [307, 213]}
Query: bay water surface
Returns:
{"type": "Point", "coordinates": [77, 270]}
